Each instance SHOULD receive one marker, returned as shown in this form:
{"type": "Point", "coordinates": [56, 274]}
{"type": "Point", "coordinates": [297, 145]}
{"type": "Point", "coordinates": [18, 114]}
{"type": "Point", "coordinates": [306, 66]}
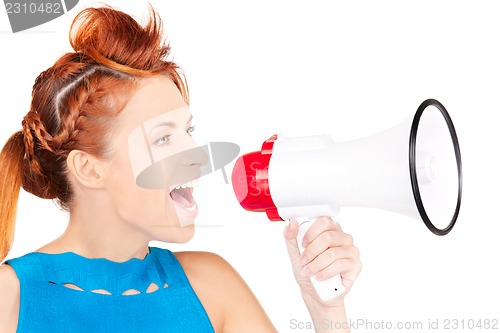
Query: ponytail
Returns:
{"type": "Point", "coordinates": [11, 166]}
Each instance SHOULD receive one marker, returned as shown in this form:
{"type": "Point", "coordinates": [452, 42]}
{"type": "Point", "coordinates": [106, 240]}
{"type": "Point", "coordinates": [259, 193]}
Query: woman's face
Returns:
{"type": "Point", "coordinates": [152, 138]}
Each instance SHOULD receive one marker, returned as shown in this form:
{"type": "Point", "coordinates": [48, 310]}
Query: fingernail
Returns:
{"type": "Point", "coordinates": [303, 260]}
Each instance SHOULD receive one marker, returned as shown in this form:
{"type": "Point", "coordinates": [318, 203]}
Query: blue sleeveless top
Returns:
{"type": "Point", "coordinates": [46, 305]}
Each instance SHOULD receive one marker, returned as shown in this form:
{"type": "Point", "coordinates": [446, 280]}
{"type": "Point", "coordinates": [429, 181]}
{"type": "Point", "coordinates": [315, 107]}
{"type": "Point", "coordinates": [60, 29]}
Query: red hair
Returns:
{"type": "Point", "coordinates": [74, 105]}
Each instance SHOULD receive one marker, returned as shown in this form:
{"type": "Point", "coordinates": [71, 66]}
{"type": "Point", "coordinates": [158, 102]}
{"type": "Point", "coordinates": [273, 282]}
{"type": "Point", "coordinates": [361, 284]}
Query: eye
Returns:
{"type": "Point", "coordinates": [190, 130]}
{"type": "Point", "coordinates": [162, 141]}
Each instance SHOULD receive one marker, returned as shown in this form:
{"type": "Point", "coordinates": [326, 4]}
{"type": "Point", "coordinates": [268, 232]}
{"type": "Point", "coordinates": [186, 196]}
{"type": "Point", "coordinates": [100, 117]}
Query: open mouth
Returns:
{"type": "Point", "coordinates": [182, 195]}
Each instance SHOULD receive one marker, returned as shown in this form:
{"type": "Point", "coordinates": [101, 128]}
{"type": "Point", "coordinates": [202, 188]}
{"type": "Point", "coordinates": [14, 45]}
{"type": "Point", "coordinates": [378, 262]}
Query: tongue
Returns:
{"type": "Point", "coordinates": [182, 197]}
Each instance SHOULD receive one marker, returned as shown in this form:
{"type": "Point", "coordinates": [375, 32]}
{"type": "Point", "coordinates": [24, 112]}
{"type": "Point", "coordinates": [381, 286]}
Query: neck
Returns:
{"type": "Point", "coordinates": [100, 233]}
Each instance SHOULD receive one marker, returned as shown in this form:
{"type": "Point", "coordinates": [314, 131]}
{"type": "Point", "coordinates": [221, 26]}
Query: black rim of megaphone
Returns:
{"type": "Point", "coordinates": [413, 170]}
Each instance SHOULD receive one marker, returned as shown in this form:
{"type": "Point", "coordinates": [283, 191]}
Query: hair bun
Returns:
{"type": "Point", "coordinates": [114, 39]}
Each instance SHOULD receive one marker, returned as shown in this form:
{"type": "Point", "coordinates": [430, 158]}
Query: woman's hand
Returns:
{"type": "Point", "coordinates": [328, 251]}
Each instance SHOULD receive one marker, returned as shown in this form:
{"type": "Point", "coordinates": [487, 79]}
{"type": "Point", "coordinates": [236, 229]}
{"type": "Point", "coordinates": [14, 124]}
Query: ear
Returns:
{"type": "Point", "coordinates": [86, 169]}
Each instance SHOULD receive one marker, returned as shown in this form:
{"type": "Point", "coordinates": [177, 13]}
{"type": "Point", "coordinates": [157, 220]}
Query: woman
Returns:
{"type": "Point", "coordinates": [77, 147]}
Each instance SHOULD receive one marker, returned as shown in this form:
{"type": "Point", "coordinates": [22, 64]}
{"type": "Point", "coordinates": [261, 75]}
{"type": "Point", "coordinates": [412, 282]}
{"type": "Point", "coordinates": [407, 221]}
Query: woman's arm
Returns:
{"type": "Point", "coordinates": [328, 252]}
{"type": "Point", "coordinates": [9, 299]}
{"type": "Point", "coordinates": [229, 302]}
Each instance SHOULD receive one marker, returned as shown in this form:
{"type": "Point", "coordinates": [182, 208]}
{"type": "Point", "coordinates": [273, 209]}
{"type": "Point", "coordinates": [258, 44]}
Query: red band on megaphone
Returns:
{"type": "Point", "coordinates": [251, 183]}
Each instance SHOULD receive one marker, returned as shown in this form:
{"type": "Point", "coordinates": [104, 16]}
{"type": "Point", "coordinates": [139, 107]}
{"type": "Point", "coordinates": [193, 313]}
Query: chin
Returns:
{"type": "Point", "coordinates": [177, 232]}
{"type": "Point", "coordinates": [186, 234]}
{"type": "Point", "coordinates": [178, 235]}
{"type": "Point", "coordinates": [177, 224]}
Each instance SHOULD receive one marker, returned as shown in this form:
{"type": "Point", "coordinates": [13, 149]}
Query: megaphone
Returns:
{"type": "Point", "coordinates": [413, 168]}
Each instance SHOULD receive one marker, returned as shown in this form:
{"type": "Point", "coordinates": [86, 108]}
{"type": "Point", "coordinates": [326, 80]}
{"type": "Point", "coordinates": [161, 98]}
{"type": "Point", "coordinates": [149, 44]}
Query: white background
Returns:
{"type": "Point", "coordinates": [348, 69]}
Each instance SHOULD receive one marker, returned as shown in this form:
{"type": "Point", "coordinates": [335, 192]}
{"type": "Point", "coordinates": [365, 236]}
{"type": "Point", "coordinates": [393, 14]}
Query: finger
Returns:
{"type": "Point", "coordinates": [348, 268]}
{"type": "Point", "coordinates": [327, 239]}
{"type": "Point", "coordinates": [291, 230]}
{"type": "Point", "coordinates": [328, 257]}
{"type": "Point", "coordinates": [290, 234]}
{"type": "Point", "coordinates": [319, 226]}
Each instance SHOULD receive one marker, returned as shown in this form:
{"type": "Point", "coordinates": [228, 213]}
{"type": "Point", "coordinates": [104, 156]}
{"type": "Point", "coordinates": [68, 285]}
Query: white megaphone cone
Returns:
{"type": "Point", "coordinates": [413, 168]}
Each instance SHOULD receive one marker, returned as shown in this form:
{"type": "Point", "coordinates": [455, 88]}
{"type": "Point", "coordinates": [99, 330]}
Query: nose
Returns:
{"type": "Point", "coordinates": [191, 162]}
{"type": "Point", "coordinates": [194, 154]}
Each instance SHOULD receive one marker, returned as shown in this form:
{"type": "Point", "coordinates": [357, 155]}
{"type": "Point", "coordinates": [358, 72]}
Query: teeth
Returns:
{"type": "Point", "coordinates": [192, 208]}
{"type": "Point", "coordinates": [191, 183]}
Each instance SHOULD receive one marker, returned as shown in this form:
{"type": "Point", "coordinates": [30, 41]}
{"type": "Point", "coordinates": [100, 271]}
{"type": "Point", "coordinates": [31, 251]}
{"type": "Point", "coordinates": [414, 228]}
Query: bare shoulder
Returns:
{"type": "Point", "coordinates": [206, 270]}
{"type": "Point", "coordinates": [9, 302]}
{"type": "Point", "coordinates": [205, 265]}
{"type": "Point", "coordinates": [9, 283]}
{"type": "Point", "coordinates": [222, 291]}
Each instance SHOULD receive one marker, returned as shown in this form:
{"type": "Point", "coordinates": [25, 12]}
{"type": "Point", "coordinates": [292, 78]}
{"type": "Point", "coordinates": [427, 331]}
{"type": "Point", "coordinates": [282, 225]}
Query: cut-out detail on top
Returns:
{"type": "Point", "coordinates": [151, 289]}
{"type": "Point", "coordinates": [71, 286]}
{"type": "Point", "coordinates": [131, 292]}
{"type": "Point", "coordinates": [101, 291]}
{"type": "Point", "coordinates": [100, 275]}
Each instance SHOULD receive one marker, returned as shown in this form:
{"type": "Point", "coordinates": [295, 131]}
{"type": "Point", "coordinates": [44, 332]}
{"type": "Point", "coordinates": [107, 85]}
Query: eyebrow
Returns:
{"type": "Point", "coordinates": [170, 124]}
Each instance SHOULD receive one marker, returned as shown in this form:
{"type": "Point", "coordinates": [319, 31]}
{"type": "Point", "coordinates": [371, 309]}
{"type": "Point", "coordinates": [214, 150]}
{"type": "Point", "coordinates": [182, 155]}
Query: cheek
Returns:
{"type": "Point", "coordinates": [147, 207]}
{"type": "Point", "coordinates": [138, 205]}
{"type": "Point", "coordinates": [157, 217]}
{"type": "Point", "coordinates": [159, 207]}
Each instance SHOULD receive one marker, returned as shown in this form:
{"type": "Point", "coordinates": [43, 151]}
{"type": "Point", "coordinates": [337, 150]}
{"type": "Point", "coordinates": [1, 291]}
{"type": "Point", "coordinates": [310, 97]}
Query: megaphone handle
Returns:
{"type": "Point", "coordinates": [326, 289]}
